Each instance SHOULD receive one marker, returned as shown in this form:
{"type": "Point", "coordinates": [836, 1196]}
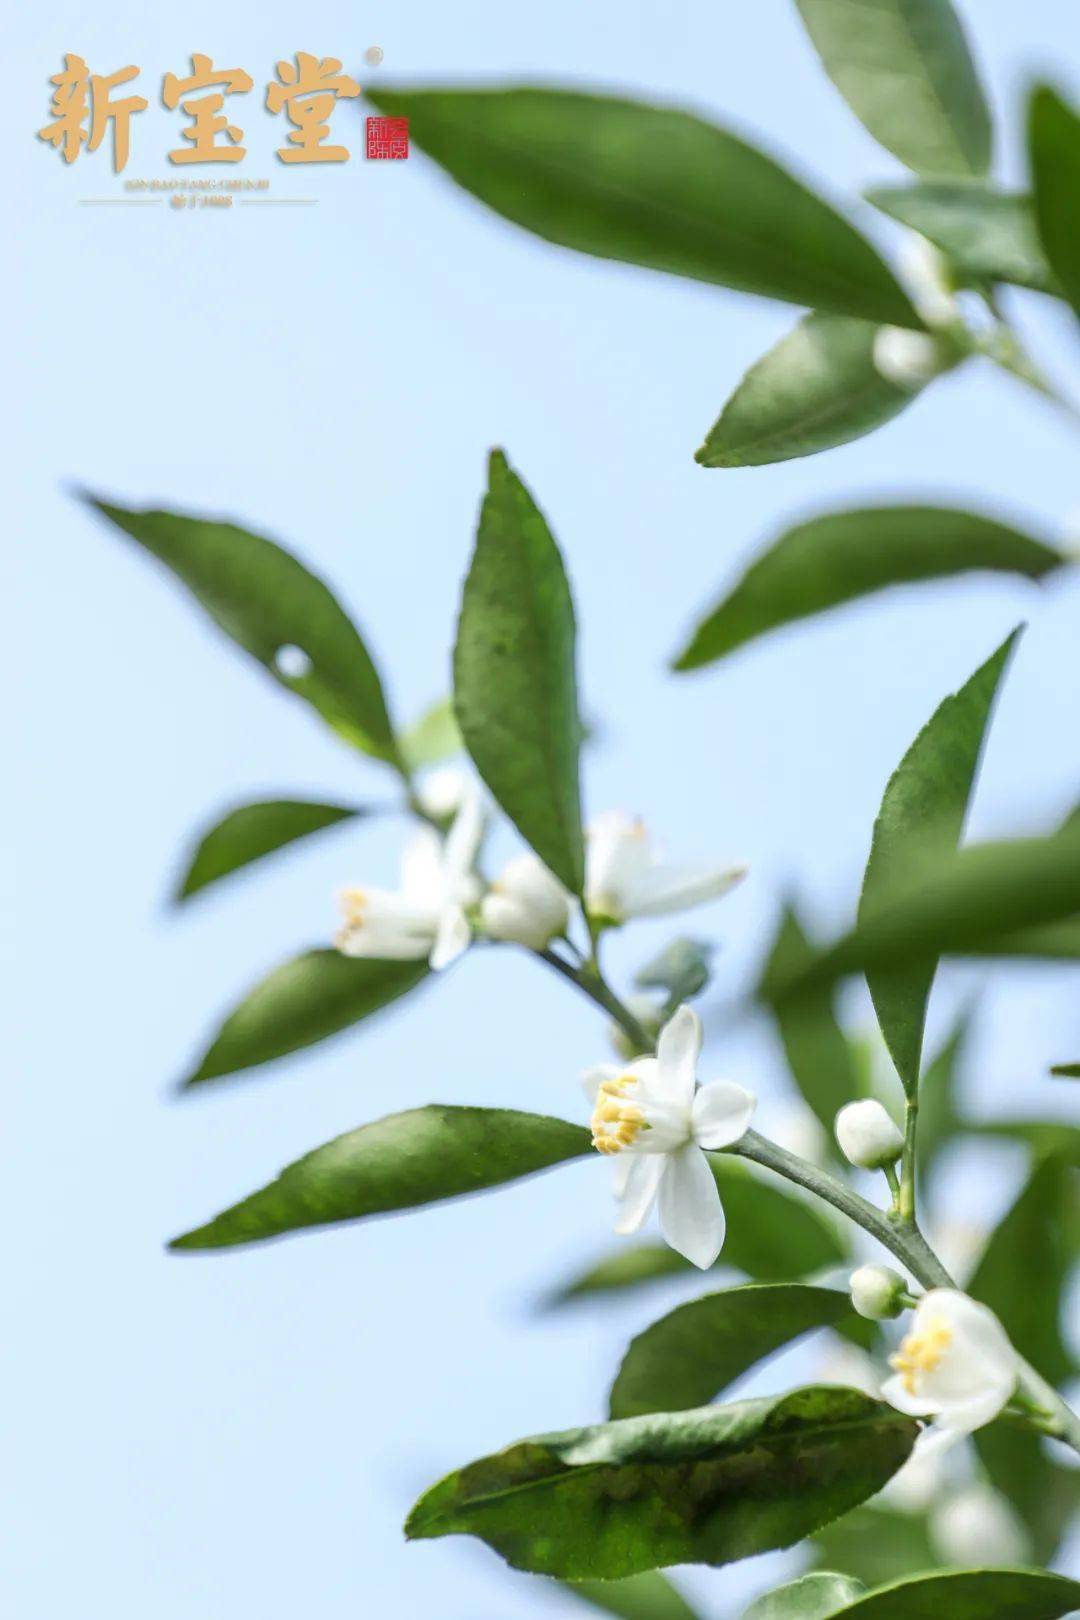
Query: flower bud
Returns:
{"type": "Point", "coordinates": [878, 1292]}
{"type": "Point", "coordinates": [929, 281]}
{"type": "Point", "coordinates": [867, 1136]}
{"type": "Point", "coordinates": [527, 905]}
{"type": "Point", "coordinates": [441, 792]}
{"type": "Point", "coordinates": [910, 359]}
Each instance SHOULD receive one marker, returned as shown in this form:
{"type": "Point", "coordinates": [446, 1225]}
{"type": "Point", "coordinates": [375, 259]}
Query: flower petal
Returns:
{"type": "Point", "coordinates": [691, 1214]}
{"type": "Point", "coordinates": [616, 854]}
{"type": "Point", "coordinates": [462, 843]}
{"type": "Point", "coordinates": [382, 942]}
{"type": "Point", "coordinates": [639, 1188]}
{"type": "Point", "coordinates": [677, 1053]}
{"type": "Point", "coordinates": [722, 1113]}
{"type": "Point", "coordinates": [421, 868]}
{"type": "Point", "coordinates": [675, 888]}
{"type": "Point", "coordinates": [894, 1391]}
{"type": "Point", "coordinates": [452, 938]}
{"type": "Point", "coordinates": [592, 1078]}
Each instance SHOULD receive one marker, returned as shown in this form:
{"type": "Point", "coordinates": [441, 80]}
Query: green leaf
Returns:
{"type": "Point", "coordinates": [840, 556]}
{"type": "Point", "coordinates": [303, 1001]}
{"type": "Point", "coordinates": [877, 1544]}
{"type": "Point", "coordinates": [691, 1355]}
{"type": "Point", "coordinates": [1054, 147]}
{"type": "Point", "coordinates": [418, 1157]}
{"type": "Point", "coordinates": [629, 1266]}
{"type": "Point", "coordinates": [708, 1486]}
{"type": "Point", "coordinates": [963, 1594]}
{"type": "Point", "coordinates": [514, 683]}
{"type": "Point", "coordinates": [939, 1121]}
{"type": "Point", "coordinates": [652, 186]}
{"type": "Point", "coordinates": [681, 969]}
{"type": "Point", "coordinates": [905, 70]}
{"type": "Point", "coordinates": [1039, 1224]}
{"type": "Point", "coordinates": [1044, 1495]}
{"type": "Point", "coordinates": [251, 831]}
{"type": "Point", "coordinates": [277, 611]}
{"type": "Point", "coordinates": [924, 807]}
{"type": "Point", "coordinates": [817, 388]}
{"type": "Point", "coordinates": [986, 234]}
{"type": "Point", "coordinates": [432, 738]}
{"type": "Point", "coordinates": [819, 1055]}
{"type": "Point", "coordinates": [1066, 1071]}
{"type": "Point", "coordinates": [649, 1596]}
{"type": "Point", "coordinates": [1047, 1138]}
{"type": "Point", "coordinates": [812, 1597]}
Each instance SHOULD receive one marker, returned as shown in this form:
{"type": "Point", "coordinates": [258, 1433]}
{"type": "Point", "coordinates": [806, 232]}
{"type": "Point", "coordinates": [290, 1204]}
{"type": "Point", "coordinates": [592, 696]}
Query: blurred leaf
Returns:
{"type": "Point", "coordinates": [630, 1266]}
{"type": "Point", "coordinates": [690, 1356]}
{"type": "Point", "coordinates": [681, 969]}
{"type": "Point", "coordinates": [649, 1596]}
{"type": "Point", "coordinates": [1047, 1138]}
{"type": "Point", "coordinates": [876, 1544]}
{"type": "Point", "coordinates": [432, 738]}
{"type": "Point", "coordinates": [819, 1055]}
{"type": "Point", "coordinates": [1066, 1071]}
{"type": "Point", "coordinates": [303, 1001]}
{"type": "Point", "coordinates": [1035, 1232]}
{"type": "Point", "coordinates": [251, 831]}
{"type": "Point", "coordinates": [707, 1486]}
{"type": "Point", "coordinates": [905, 70]}
{"type": "Point", "coordinates": [815, 389]}
{"type": "Point", "coordinates": [939, 1121]}
{"type": "Point", "coordinates": [272, 607]}
{"type": "Point", "coordinates": [514, 682]}
{"type": "Point", "coordinates": [924, 808]}
{"type": "Point", "coordinates": [1054, 148]}
{"type": "Point", "coordinates": [811, 1597]}
{"type": "Point", "coordinates": [652, 186]}
{"type": "Point", "coordinates": [406, 1160]}
{"type": "Point", "coordinates": [1044, 1495]}
{"type": "Point", "coordinates": [968, 1594]}
{"type": "Point", "coordinates": [986, 234]}
{"type": "Point", "coordinates": [841, 556]}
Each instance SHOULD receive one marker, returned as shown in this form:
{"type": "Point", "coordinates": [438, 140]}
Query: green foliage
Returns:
{"type": "Point", "coordinates": [1054, 148]}
{"type": "Point", "coordinates": [840, 556]}
{"type": "Point", "coordinates": [961, 1594]}
{"type": "Point", "coordinates": [987, 235]}
{"type": "Point", "coordinates": [418, 1157]}
{"type": "Point", "coordinates": [250, 832]}
{"type": "Point", "coordinates": [819, 1055]}
{"type": "Point", "coordinates": [681, 970]}
{"type": "Point", "coordinates": [303, 1001]}
{"type": "Point", "coordinates": [272, 607]}
{"type": "Point", "coordinates": [923, 810]}
{"type": "Point", "coordinates": [652, 186]}
{"type": "Point", "coordinates": [1066, 1071]}
{"type": "Point", "coordinates": [939, 1120]}
{"type": "Point", "coordinates": [877, 1544]}
{"type": "Point", "coordinates": [434, 737]}
{"type": "Point", "coordinates": [905, 70]}
{"type": "Point", "coordinates": [708, 1486]}
{"type": "Point", "coordinates": [648, 1596]}
{"type": "Point", "coordinates": [812, 1597]}
{"type": "Point", "coordinates": [515, 689]}
{"type": "Point", "coordinates": [691, 1355]}
{"type": "Point", "coordinates": [815, 389]}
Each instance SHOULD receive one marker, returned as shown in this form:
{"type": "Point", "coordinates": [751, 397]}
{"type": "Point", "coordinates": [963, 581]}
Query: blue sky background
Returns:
{"type": "Point", "coordinates": [243, 1433]}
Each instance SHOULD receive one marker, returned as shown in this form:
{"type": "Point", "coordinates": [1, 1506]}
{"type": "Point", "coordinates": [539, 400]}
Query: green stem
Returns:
{"type": "Point", "coordinates": [905, 1200]}
{"type": "Point", "coordinates": [591, 982]}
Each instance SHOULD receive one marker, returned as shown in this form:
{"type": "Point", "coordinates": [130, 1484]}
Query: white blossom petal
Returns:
{"type": "Point", "coordinates": [593, 1078]}
{"type": "Point", "coordinates": [640, 1184]}
{"type": "Point", "coordinates": [722, 1113]}
{"type": "Point", "coordinates": [462, 843]}
{"type": "Point", "coordinates": [662, 889]}
{"type": "Point", "coordinates": [691, 1214]}
{"type": "Point", "coordinates": [677, 1053]}
{"type": "Point", "coordinates": [382, 943]}
{"type": "Point", "coordinates": [616, 853]}
{"type": "Point", "coordinates": [422, 868]}
{"type": "Point", "coordinates": [452, 938]}
{"type": "Point", "coordinates": [896, 1393]}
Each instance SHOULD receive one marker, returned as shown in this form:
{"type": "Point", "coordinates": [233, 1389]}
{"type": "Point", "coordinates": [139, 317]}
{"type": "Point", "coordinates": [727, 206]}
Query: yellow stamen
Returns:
{"type": "Point", "coordinates": [353, 902]}
{"type": "Point", "coordinates": [921, 1352]}
{"type": "Point", "coordinates": [615, 1124]}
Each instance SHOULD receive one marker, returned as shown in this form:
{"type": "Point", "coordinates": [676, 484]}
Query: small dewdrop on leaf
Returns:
{"type": "Point", "coordinates": [526, 905]}
{"type": "Point", "coordinates": [910, 359]}
{"type": "Point", "coordinates": [624, 878]}
{"type": "Point", "coordinates": [956, 1365]}
{"type": "Point", "coordinates": [868, 1137]}
{"type": "Point", "coordinates": [878, 1292]}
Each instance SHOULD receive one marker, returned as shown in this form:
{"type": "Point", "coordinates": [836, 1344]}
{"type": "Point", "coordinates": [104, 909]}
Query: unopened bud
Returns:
{"type": "Point", "coordinates": [527, 905]}
{"type": "Point", "coordinates": [867, 1136]}
{"type": "Point", "coordinates": [878, 1292]}
{"type": "Point", "coordinates": [910, 359]}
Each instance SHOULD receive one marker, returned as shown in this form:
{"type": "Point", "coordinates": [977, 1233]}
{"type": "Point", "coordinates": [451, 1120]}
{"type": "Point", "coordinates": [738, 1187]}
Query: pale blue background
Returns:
{"type": "Point", "coordinates": [242, 1434]}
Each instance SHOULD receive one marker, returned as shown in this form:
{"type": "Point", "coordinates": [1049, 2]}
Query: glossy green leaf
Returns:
{"type": "Point", "coordinates": [406, 1160]}
{"type": "Point", "coordinates": [924, 809]}
{"type": "Point", "coordinates": [812, 1597]}
{"type": "Point", "coordinates": [840, 556]}
{"type": "Point", "coordinates": [877, 1544]}
{"type": "Point", "coordinates": [272, 607]}
{"type": "Point", "coordinates": [690, 1356]}
{"type": "Point", "coordinates": [515, 688]}
{"type": "Point", "coordinates": [986, 234]}
{"type": "Point", "coordinates": [818, 1052]}
{"type": "Point", "coordinates": [905, 70]}
{"type": "Point", "coordinates": [816, 389]}
{"type": "Point", "coordinates": [963, 1594]}
{"type": "Point", "coordinates": [303, 1001]}
{"type": "Point", "coordinates": [434, 737]}
{"type": "Point", "coordinates": [682, 970]}
{"type": "Point", "coordinates": [652, 186]}
{"type": "Point", "coordinates": [648, 1596]}
{"type": "Point", "coordinates": [1054, 148]}
{"type": "Point", "coordinates": [707, 1486]}
{"type": "Point", "coordinates": [250, 832]}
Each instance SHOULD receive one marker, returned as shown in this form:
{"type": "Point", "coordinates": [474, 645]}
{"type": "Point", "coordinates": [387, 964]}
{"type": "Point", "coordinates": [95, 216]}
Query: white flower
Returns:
{"type": "Point", "coordinates": [623, 877]}
{"type": "Point", "coordinates": [956, 1366]}
{"type": "Point", "coordinates": [877, 1292]}
{"type": "Point", "coordinates": [442, 792]}
{"type": "Point", "coordinates": [426, 916]}
{"type": "Point", "coordinates": [867, 1135]}
{"type": "Point", "coordinates": [526, 904]}
{"type": "Point", "coordinates": [656, 1120]}
{"type": "Point", "coordinates": [909, 359]}
{"type": "Point", "coordinates": [979, 1526]}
